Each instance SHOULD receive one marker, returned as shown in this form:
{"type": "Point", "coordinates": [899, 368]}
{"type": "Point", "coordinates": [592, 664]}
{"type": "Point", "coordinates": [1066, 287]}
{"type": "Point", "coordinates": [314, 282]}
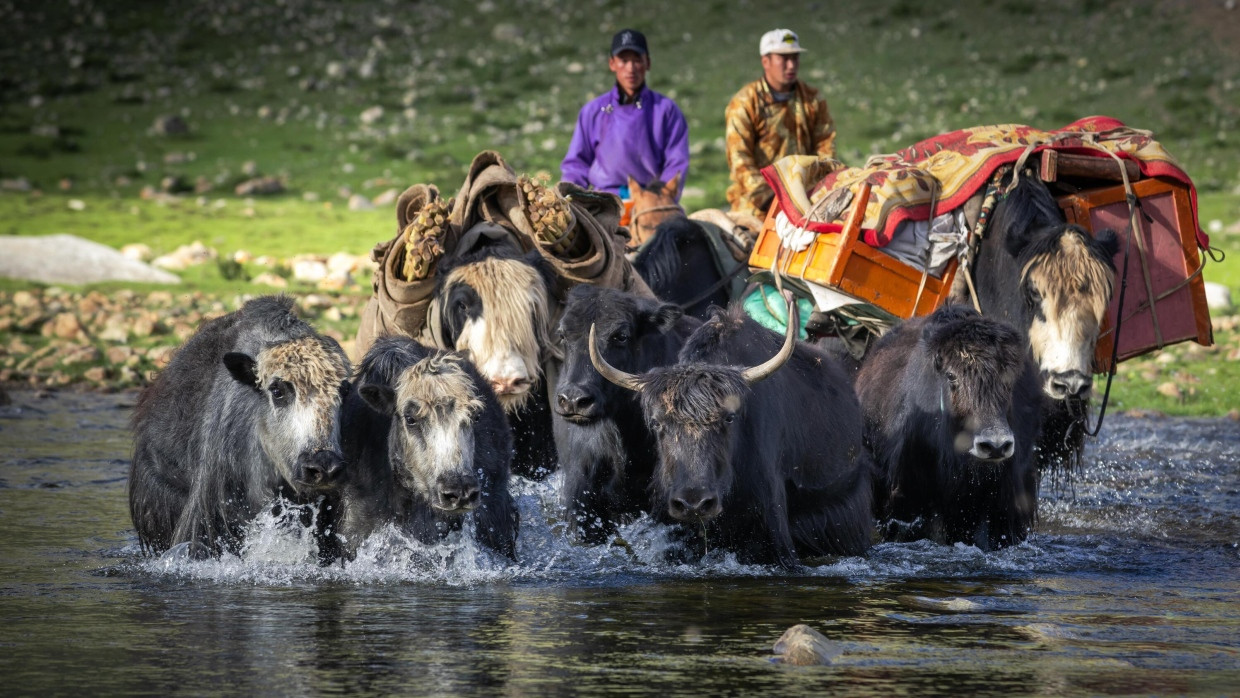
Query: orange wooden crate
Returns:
{"type": "Point", "coordinates": [1179, 312]}
{"type": "Point", "coordinates": [844, 262]}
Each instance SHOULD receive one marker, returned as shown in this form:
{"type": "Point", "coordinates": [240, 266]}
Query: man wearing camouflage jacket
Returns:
{"type": "Point", "coordinates": [772, 117]}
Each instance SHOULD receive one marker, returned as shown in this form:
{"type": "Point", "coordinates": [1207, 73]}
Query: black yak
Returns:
{"type": "Point", "coordinates": [427, 446]}
{"type": "Point", "coordinates": [607, 455]}
{"type": "Point", "coordinates": [246, 411]}
{"type": "Point", "coordinates": [764, 461]}
{"type": "Point", "coordinates": [952, 412]}
{"type": "Point", "coordinates": [495, 306]}
{"type": "Point", "coordinates": [1053, 282]}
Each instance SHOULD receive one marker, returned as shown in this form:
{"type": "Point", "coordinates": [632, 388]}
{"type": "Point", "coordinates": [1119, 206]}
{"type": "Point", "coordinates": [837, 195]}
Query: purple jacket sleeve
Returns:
{"type": "Point", "coordinates": [576, 165]}
{"type": "Point", "coordinates": [676, 152]}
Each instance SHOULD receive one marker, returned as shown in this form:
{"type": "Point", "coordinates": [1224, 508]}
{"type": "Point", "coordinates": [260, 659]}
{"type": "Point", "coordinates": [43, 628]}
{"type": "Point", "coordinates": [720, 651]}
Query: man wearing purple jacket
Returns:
{"type": "Point", "coordinates": [630, 130]}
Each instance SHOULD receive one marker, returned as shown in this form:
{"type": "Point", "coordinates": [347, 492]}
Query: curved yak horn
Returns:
{"type": "Point", "coordinates": [611, 373]}
{"type": "Point", "coordinates": [756, 373]}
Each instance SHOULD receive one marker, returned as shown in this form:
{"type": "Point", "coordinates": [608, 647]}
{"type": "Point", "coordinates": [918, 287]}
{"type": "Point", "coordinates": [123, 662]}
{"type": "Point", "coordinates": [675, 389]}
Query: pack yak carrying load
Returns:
{"type": "Point", "coordinates": [1086, 235]}
{"type": "Point", "coordinates": [486, 274]}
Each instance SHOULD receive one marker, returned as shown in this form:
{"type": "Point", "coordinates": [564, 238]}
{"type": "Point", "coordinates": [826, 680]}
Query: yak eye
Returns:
{"type": "Point", "coordinates": [952, 379]}
{"type": "Point", "coordinates": [411, 420]}
{"type": "Point", "coordinates": [729, 418]}
{"type": "Point", "coordinates": [620, 338]}
{"type": "Point", "coordinates": [1035, 298]}
{"type": "Point", "coordinates": [281, 393]}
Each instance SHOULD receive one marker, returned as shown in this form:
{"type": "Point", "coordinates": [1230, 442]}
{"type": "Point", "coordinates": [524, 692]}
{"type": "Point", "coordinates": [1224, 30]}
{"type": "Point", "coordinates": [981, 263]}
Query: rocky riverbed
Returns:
{"type": "Point", "coordinates": [53, 337]}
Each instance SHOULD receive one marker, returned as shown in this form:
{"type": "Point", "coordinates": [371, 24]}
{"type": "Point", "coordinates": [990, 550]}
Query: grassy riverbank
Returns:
{"type": "Point", "coordinates": [342, 103]}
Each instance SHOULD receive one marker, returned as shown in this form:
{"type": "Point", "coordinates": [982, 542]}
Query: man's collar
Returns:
{"type": "Point", "coordinates": [624, 99]}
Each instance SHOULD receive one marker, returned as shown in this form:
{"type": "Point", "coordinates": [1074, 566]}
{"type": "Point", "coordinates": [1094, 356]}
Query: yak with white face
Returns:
{"type": "Point", "coordinates": [247, 410]}
{"type": "Point", "coordinates": [428, 447]}
{"type": "Point", "coordinates": [1053, 282]}
{"type": "Point", "coordinates": [760, 445]}
{"type": "Point", "coordinates": [495, 307]}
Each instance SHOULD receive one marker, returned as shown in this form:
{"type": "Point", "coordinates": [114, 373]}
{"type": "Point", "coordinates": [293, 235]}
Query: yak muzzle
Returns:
{"type": "Point", "coordinates": [320, 469]}
{"type": "Point", "coordinates": [577, 404]}
{"type": "Point", "coordinates": [1065, 384]}
{"type": "Point", "coordinates": [694, 504]}
{"type": "Point", "coordinates": [457, 494]}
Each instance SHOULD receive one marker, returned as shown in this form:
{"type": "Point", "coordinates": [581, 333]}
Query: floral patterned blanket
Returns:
{"type": "Point", "coordinates": [941, 173]}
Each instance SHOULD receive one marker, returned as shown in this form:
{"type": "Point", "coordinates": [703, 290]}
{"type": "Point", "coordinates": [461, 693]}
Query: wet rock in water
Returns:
{"type": "Point", "coordinates": [952, 605]}
{"type": "Point", "coordinates": [801, 645]}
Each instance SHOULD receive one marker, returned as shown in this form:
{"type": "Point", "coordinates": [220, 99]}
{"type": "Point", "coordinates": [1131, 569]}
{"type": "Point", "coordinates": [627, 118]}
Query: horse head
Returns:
{"type": "Point", "coordinates": [652, 204]}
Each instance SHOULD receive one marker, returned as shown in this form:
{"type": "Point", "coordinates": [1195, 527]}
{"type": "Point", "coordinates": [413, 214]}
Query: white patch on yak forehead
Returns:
{"type": "Point", "coordinates": [316, 373]}
{"type": "Point", "coordinates": [1076, 289]}
{"type": "Point", "coordinates": [444, 400]}
{"type": "Point", "coordinates": [515, 316]}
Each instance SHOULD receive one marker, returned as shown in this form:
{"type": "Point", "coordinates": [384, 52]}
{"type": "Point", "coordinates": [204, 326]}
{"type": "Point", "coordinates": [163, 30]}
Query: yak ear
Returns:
{"type": "Point", "coordinates": [381, 398]}
{"type": "Point", "coordinates": [243, 367]}
{"type": "Point", "coordinates": [665, 316]}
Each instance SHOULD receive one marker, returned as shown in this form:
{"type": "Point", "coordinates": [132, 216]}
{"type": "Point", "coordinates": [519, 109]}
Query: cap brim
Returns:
{"type": "Point", "coordinates": [635, 49]}
{"type": "Point", "coordinates": [784, 51]}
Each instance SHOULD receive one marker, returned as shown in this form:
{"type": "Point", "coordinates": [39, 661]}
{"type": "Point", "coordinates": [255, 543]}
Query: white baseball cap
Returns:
{"type": "Point", "coordinates": [779, 41]}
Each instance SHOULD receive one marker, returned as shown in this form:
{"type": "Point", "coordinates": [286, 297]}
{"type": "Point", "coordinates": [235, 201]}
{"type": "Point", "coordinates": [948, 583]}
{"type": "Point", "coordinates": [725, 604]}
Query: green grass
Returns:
{"type": "Point", "coordinates": [280, 91]}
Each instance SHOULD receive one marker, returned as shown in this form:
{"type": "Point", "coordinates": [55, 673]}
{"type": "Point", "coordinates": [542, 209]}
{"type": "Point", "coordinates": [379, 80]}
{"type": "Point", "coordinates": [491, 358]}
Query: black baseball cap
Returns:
{"type": "Point", "coordinates": [629, 40]}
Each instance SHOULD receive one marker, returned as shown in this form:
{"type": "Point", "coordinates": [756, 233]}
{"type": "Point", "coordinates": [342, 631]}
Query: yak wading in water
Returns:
{"type": "Point", "coordinates": [427, 447]}
{"type": "Point", "coordinates": [246, 412]}
{"type": "Point", "coordinates": [952, 411]}
{"type": "Point", "coordinates": [494, 305]}
{"type": "Point", "coordinates": [764, 461]}
{"type": "Point", "coordinates": [607, 452]}
{"type": "Point", "coordinates": [1053, 282]}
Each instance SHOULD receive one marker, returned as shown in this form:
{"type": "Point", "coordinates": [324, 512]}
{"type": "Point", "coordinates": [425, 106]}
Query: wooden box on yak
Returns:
{"type": "Point", "coordinates": [844, 262]}
{"type": "Point", "coordinates": [1167, 250]}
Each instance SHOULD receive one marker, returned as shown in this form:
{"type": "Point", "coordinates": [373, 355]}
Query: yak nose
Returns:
{"type": "Point", "coordinates": [511, 385]}
{"type": "Point", "coordinates": [321, 468]}
{"type": "Point", "coordinates": [694, 503]}
{"type": "Point", "coordinates": [575, 400]}
{"type": "Point", "coordinates": [1071, 384]}
{"type": "Point", "coordinates": [458, 494]}
{"type": "Point", "coordinates": [994, 446]}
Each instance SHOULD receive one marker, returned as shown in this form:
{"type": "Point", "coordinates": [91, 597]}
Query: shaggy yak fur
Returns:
{"type": "Point", "coordinates": [246, 411]}
{"type": "Point", "coordinates": [427, 447]}
{"type": "Point", "coordinates": [607, 455]}
{"type": "Point", "coordinates": [495, 306]}
{"type": "Point", "coordinates": [770, 468]}
{"type": "Point", "coordinates": [1052, 282]}
{"type": "Point", "coordinates": [952, 409]}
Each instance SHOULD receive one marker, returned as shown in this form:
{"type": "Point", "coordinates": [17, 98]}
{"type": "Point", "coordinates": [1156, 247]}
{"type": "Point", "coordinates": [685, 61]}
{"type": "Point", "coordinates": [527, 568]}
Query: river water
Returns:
{"type": "Point", "coordinates": [1129, 586]}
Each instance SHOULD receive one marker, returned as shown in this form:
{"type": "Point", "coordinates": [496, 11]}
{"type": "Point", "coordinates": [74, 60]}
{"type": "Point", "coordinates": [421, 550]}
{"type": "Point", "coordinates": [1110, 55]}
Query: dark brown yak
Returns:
{"type": "Point", "coordinates": [765, 461]}
{"type": "Point", "coordinates": [952, 412]}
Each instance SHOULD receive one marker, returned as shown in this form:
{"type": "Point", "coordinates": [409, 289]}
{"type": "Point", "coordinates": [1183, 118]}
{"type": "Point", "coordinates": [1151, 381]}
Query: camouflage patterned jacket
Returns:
{"type": "Point", "coordinates": [760, 131]}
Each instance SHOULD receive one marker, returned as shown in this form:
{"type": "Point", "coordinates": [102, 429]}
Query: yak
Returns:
{"type": "Point", "coordinates": [247, 411]}
{"type": "Point", "coordinates": [1053, 282]}
{"type": "Point", "coordinates": [427, 446]}
{"type": "Point", "coordinates": [763, 461]}
{"type": "Point", "coordinates": [607, 455]}
{"type": "Point", "coordinates": [952, 409]}
{"type": "Point", "coordinates": [495, 306]}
